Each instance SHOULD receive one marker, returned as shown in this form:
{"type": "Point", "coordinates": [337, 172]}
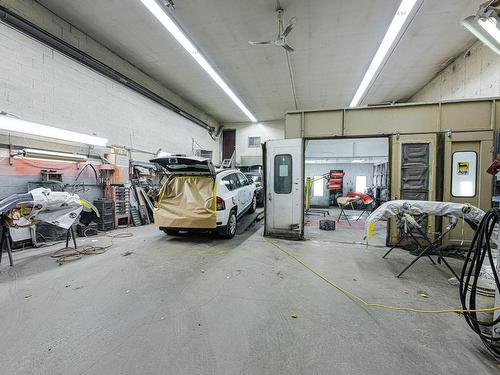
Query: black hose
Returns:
{"type": "Point", "coordinates": [479, 249]}
{"type": "Point", "coordinates": [73, 186]}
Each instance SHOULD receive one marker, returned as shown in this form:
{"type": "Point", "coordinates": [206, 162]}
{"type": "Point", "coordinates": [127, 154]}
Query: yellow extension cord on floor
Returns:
{"type": "Point", "coordinates": [363, 302]}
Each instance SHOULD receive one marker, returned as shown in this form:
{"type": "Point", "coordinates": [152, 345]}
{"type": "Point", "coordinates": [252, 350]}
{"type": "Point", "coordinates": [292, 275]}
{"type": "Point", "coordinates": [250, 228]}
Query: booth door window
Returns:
{"type": "Point", "coordinates": [283, 174]}
{"type": "Point", "coordinates": [463, 175]}
{"type": "Point", "coordinates": [415, 171]}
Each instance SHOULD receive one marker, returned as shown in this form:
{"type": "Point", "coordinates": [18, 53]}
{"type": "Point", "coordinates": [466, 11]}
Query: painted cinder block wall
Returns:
{"type": "Point", "coordinates": [42, 85]}
{"type": "Point", "coordinates": [36, 13]}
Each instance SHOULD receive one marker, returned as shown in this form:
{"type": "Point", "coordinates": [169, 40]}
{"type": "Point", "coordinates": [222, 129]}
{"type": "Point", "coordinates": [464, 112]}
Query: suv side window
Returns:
{"type": "Point", "coordinates": [235, 180]}
{"type": "Point", "coordinates": [243, 180]}
{"type": "Point", "coordinates": [229, 182]}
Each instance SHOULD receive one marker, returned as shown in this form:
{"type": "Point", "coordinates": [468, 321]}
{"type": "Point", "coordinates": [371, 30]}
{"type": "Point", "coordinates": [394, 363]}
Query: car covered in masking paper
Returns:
{"type": "Point", "coordinates": [194, 197]}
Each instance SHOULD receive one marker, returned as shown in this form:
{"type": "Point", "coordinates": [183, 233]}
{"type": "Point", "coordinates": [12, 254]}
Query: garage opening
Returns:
{"type": "Point", "coordinates": [345, 180]}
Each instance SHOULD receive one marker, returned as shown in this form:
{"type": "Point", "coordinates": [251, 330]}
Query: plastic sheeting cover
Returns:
{"type": "Point", "coordinates": [390, 209]}
{"type": "Point", "coordinates": [187, 202]}
{"type": "Point", "coordinates": [54, 207]}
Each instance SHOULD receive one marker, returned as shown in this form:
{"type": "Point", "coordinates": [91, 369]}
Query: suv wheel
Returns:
{"type": "Point", "coordinates": [253, 205]}
{"type": "Point", "coordinates": [230, 229]}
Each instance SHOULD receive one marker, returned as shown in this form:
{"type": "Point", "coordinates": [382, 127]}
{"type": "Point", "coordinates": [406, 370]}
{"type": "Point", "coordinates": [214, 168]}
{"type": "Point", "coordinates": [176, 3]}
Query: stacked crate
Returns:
{"type": "Point", "coordinates": [106, 210]}
{"type": "Point", "coordinates": [121, 197]}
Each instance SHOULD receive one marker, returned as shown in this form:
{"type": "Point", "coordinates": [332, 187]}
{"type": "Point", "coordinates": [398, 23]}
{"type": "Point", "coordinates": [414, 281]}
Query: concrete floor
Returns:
{"type": "Point", "coordinates": [201, 305]}
{"type": "Point", "coordinates": [349, 232]}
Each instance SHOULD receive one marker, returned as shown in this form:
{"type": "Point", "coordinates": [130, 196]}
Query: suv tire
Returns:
{"type": "Point", "coordinates": [253, 205]}
{"type": "Point", "coordinates": [229, 230]}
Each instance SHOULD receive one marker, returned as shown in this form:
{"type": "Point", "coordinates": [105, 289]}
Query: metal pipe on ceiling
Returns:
{"type": "Point", "coordinates": [67, 49]}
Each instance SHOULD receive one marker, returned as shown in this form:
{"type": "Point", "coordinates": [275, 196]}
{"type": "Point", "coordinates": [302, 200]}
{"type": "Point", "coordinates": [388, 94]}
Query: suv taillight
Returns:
{"type": "Point", "coordinates": [221, 205]}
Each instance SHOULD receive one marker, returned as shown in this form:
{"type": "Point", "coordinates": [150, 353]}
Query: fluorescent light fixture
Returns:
{"type": "Point", "coordinates": [11, 124]}
{"type": "Point", "coordinates": [393, 31]}
{"type": "Point", "coordinates": [51, 155]}
{"type": "Point", "coordinates": [358, 161]}
{"type": "Point", "coordinates": [319, 161]}
{"type": "Point", "coordinates": [485, 27]}
{"type": "Point", "coordinates": [184, 41]}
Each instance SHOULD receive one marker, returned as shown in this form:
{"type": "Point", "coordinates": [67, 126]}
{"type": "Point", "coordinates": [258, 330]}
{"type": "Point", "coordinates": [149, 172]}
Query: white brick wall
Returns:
{"type": "Point", "coordinates": [42, 85]}
{"type": "Point", "coordinates": [473, 75]}
{"type": "Point", "coordinates": [44, 18]}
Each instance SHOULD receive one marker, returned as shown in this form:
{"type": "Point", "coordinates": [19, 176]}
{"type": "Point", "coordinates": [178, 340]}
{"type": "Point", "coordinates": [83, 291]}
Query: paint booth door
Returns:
{"type": "Point", "coordinates": [284, 176]}
{"type": "Point", "coordinates": [467, 157]}
{"type": "Point", "coordinates": [413, 173]}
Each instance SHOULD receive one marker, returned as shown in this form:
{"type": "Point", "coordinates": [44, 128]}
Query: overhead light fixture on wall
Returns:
{"type": "Point", "coordinates": [398, 22]}
{"type": "Point", "coordinates": [50, 155]}
{"type": "Point", "coordinates": [16, 125]}
{"type": "Point", "coordinates": [485, 25]}
{"type": "Point", "coordinates": [184, 41]}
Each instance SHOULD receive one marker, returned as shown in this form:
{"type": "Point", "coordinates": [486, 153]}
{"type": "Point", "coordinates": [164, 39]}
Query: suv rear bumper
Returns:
{"type": "Point", "coordinates": [219, 228]}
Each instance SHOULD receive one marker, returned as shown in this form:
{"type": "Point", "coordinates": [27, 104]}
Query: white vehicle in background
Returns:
{"type": "Point", "coordinates": [195, 197]}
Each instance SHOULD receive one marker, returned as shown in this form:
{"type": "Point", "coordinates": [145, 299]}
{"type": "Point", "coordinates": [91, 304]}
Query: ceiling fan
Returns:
{"type": "Point", "coordinates": [283, 32]}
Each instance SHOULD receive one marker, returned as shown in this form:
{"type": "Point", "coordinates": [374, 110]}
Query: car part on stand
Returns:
{"type": "Point", "coordinates": [57, 208]}
{"type": "Point", "coordinates": [470, 214]}
{"type": "Point", "coordinates": [411, 216]}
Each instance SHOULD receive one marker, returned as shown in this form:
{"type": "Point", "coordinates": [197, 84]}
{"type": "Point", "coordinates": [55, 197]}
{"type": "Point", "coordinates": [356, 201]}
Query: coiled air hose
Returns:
{"type": "Point", "coordinates": [480, 249]}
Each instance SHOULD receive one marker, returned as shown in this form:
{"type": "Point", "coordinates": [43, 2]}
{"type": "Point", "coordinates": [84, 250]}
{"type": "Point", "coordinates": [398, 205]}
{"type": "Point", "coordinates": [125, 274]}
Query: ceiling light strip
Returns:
{"type": "Point", "coordinates": [27, 127]}
{"type": "Point", "coordinates": [184, 41]}
{"type": "Point", "coordinates": [393, 31]}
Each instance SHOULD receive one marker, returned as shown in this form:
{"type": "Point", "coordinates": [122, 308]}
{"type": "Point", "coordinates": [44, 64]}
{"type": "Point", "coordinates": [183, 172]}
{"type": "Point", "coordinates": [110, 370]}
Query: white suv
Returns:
{"type": "Point", "coordinates": [235, 197]}
{"type": "Point", "coordinates": [195, 197]}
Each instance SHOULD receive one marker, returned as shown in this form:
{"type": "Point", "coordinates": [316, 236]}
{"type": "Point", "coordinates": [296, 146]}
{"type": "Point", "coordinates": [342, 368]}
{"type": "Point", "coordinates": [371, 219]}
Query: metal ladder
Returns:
{"type": "Point", "coordinates": [228, 163]}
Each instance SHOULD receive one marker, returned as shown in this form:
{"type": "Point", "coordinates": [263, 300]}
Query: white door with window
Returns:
{"type": "Point", "coordinates": [284, 188]}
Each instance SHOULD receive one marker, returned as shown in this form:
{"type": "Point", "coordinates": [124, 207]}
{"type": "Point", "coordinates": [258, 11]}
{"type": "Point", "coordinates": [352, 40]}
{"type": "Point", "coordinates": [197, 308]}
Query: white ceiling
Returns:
{"type": "Point", "coordinates": [366, 150]}
{"type": "Point", "coordinates": [334, 41]}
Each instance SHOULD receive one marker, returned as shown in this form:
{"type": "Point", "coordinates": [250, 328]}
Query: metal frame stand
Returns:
{"type": "Point", "coordinates": [5, 244]}
{"type": "Point", "coordinates": [342, 212]}
{"type": "Point", "coordinates": [70, 234]}
{"type": "Point", "coordinates": [365, 211]}
{"type": "Point", "coordinates": [432, 245]}
{"type": "Point", "coordinates": [425, 251]}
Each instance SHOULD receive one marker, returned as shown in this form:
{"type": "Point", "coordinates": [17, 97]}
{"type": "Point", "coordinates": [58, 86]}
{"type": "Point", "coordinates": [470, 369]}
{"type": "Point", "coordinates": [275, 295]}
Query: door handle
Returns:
{"type": "Point", "coordinates": [269, 197]}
